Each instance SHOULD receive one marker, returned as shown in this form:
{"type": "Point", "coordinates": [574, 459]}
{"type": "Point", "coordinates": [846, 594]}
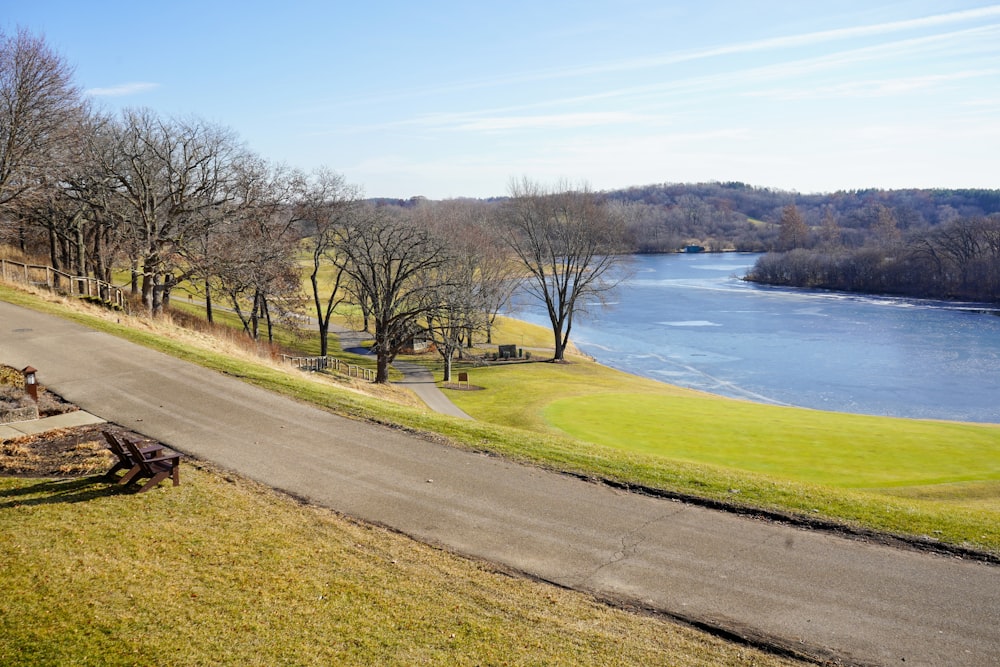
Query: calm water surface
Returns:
{"type": "Point", "coordinates": [688, 320]}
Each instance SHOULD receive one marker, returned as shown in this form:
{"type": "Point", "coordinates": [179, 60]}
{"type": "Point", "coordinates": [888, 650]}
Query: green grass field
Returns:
{"type": "Point", "coordinates": [931, 478]}
{"type": "Point", "coordinates": [849, 451]}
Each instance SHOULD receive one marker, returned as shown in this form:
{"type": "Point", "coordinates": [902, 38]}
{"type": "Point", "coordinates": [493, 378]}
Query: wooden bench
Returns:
{"type": "Point", "coordinates": [117, 447]}
{"type": "Point", "coordinates": [145, 463]}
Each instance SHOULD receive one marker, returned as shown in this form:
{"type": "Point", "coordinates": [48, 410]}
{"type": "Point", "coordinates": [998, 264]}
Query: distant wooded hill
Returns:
{"type": "Point", "coordinates": [736, 216]}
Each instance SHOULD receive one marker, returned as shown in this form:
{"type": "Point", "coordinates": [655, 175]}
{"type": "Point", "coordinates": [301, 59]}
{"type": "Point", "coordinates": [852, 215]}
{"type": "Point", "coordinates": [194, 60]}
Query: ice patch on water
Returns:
{"type": "Point", "coordinates": [692, 323]}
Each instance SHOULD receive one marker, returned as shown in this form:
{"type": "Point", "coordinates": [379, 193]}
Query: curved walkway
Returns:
{"type": "Point", "coordinates": [421, 381]}
{"type": "Point", "coordinates": [416, 378]}
{"type": "Point", "coordinates": [818, 593]}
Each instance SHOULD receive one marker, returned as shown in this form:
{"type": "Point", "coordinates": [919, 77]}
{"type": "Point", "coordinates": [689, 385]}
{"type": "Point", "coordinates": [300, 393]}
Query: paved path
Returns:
{"type": "Point", "coordinates": [420, 381]}
{"type": "Point", "coordinates": [36, 426]}
{"type": "Point", "coordinates": [416, 378]}
{"type": "Point", "coordinates": [864, 603]}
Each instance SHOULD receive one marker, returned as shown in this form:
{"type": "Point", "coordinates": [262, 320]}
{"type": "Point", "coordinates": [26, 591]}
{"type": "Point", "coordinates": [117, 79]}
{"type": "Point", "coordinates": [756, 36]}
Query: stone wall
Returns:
{"type": "Point", "coordinates": [18, 414]}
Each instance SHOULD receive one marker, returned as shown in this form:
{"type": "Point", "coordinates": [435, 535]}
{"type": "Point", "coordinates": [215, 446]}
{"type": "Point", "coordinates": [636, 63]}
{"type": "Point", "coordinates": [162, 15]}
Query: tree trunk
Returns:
{"type": "Point", "coordinates": [101, 268]}
{"type": "Point", "coordinates": [382, 367]}
{"type": "Point", "coordinates": [81, 246]}
{"type": "Point", "coordinates": [560, 351]}
{"type": "Point", "coordinates": [208, 302]}
{"type": "Point", "coordinates": [155, 298]}
{"type": "Point", "coordinates": [147, 286]}
{"type": "Point", "coordinates": [53, 256]}
{"type": "Point", "coordinates": [254, 323]}
{"type": "Point", "coordinates": [265, 308]}
{"type": "Point", "coordinates": [324, 343]}
{"type": "Point", "coordinates": [447, 366]}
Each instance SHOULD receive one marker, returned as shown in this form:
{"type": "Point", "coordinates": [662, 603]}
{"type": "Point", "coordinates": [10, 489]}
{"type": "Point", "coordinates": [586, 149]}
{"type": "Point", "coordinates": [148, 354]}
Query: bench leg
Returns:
{"type": "Point", "coordinates": [129, 475]}
{"type": "Point", "coordinates": [157, 478]}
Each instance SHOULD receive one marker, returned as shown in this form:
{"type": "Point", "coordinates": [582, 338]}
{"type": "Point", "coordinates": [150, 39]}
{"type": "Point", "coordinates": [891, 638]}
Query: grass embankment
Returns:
{"type": "Point", "coordinates": [909, 477]}
{"type": "Point", "coordinates": [222, 571]}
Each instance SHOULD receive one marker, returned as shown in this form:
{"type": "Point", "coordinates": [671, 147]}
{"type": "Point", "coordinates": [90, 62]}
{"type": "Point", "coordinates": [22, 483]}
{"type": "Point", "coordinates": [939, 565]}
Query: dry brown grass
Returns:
{"type": "Point", "coordinates": [70, 452]}
{"type": "Point", "coordinates": [198, 333]}
{"type": "Point", "coordinates": [223, 571]}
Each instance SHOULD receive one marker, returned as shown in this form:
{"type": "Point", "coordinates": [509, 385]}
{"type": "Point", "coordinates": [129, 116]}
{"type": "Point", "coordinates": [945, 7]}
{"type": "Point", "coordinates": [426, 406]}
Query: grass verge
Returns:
{"type": "Point", "coordinates": [192, 575]}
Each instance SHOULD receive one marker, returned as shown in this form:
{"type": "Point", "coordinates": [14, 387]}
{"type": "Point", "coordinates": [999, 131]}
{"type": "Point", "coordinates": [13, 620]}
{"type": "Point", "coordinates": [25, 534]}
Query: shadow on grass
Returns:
{"type": "Point", "coordinates": [51, 491]}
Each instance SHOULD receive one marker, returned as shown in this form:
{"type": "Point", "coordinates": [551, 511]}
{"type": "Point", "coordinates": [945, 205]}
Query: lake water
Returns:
{"type": "Point", "coordinates": [688, 320]}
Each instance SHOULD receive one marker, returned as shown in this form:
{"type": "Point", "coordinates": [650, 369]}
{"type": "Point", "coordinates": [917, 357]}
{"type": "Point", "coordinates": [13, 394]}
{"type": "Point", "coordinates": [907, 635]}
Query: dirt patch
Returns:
{"type": "Point", "coordinates": [462, 387]}
{"type": "Point", "coordinates": [65, 452]}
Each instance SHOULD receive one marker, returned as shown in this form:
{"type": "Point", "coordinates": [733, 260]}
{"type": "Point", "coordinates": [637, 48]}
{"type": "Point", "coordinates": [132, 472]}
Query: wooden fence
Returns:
{"type": "Point", "coordinates": [326, 363]}
{"type": "Point", "coordinates": [56, 280]}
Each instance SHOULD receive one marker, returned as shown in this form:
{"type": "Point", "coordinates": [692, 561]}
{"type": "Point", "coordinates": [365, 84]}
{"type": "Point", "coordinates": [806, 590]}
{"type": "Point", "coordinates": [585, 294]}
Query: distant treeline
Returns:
{"type": "Point", "coordinates": [955, 260]}
{"type": "Point", "coordinates": [932, 243]}
{"type": "Point", "coordinates": [737, 216]}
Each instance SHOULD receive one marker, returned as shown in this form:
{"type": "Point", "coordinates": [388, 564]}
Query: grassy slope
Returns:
{"type": "Point", "coordinates": [191, 575]}
{"type": "Point", "coordinates": [517, 395]}
{"type": "Point", "coordinates": [849, 451]}
{"type": "Point", "coordinates": [925, 478]}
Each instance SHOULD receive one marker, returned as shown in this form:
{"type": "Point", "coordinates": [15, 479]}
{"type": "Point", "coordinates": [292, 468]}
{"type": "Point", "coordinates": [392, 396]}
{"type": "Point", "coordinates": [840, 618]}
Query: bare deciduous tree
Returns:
{"type": "Point", "coordinates": [324, 204]}
{"type": "Point", "coordinates": [387, 260]}
{"type": "Point", "coordinates": [458, 298]}
{"type": "Point", "coordinates": [569, 245]}
{"type": "Point", "coordinates": [249, 252]}
{"type": "Point", "coordinates": [794, 233]}
{"type": "Point", "coordinates": [38, 101]}
{"type": "Point", "coordinates": [171, 178]}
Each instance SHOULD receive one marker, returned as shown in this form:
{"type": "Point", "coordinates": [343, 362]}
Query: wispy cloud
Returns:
{"type": "Point", "coordinates": [791, 41]}
{"type": "Point", "coordinates": [548, 121]}
{"type": "Point", "coordinates": [874, 87]}
{"type": "Point", "coordinates": [510, 119]}
{"type": "Point", "coordinates": [123, 90]}
{"type": "Point", "coordinates": [934, 28]}
{"type": "Point", "coordinates": [754, 46]}
{"type": "Point", "coordinates": [803, 71]}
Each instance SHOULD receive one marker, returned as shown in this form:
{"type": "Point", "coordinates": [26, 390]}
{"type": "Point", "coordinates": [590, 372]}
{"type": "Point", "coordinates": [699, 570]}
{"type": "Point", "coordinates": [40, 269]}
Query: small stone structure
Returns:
{"type": "Point", "coordinates": [12, 415]}
{"type": "Point", "coordinates": [507, 351]}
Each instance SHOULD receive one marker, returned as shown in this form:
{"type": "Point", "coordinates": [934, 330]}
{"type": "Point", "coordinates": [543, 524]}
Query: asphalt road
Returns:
{"type": "Point", "coordinates": [862, 603]}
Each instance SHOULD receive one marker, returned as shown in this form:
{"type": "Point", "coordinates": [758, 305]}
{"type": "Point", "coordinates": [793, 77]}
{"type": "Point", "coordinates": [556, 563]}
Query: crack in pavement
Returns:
{"type": "Point", "coordinates": [630, 542]}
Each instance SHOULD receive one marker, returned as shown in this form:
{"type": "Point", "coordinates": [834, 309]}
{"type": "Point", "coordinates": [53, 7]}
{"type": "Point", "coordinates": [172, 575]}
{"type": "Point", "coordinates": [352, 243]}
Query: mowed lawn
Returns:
{"type": "Point", "coordinates": [840, 450]}
{"type": "Point", "coordinates": [949, 462]}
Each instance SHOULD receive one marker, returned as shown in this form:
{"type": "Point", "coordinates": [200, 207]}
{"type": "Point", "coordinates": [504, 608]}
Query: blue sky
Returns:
{"type": "Point", "coordinates": [447, 99]}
